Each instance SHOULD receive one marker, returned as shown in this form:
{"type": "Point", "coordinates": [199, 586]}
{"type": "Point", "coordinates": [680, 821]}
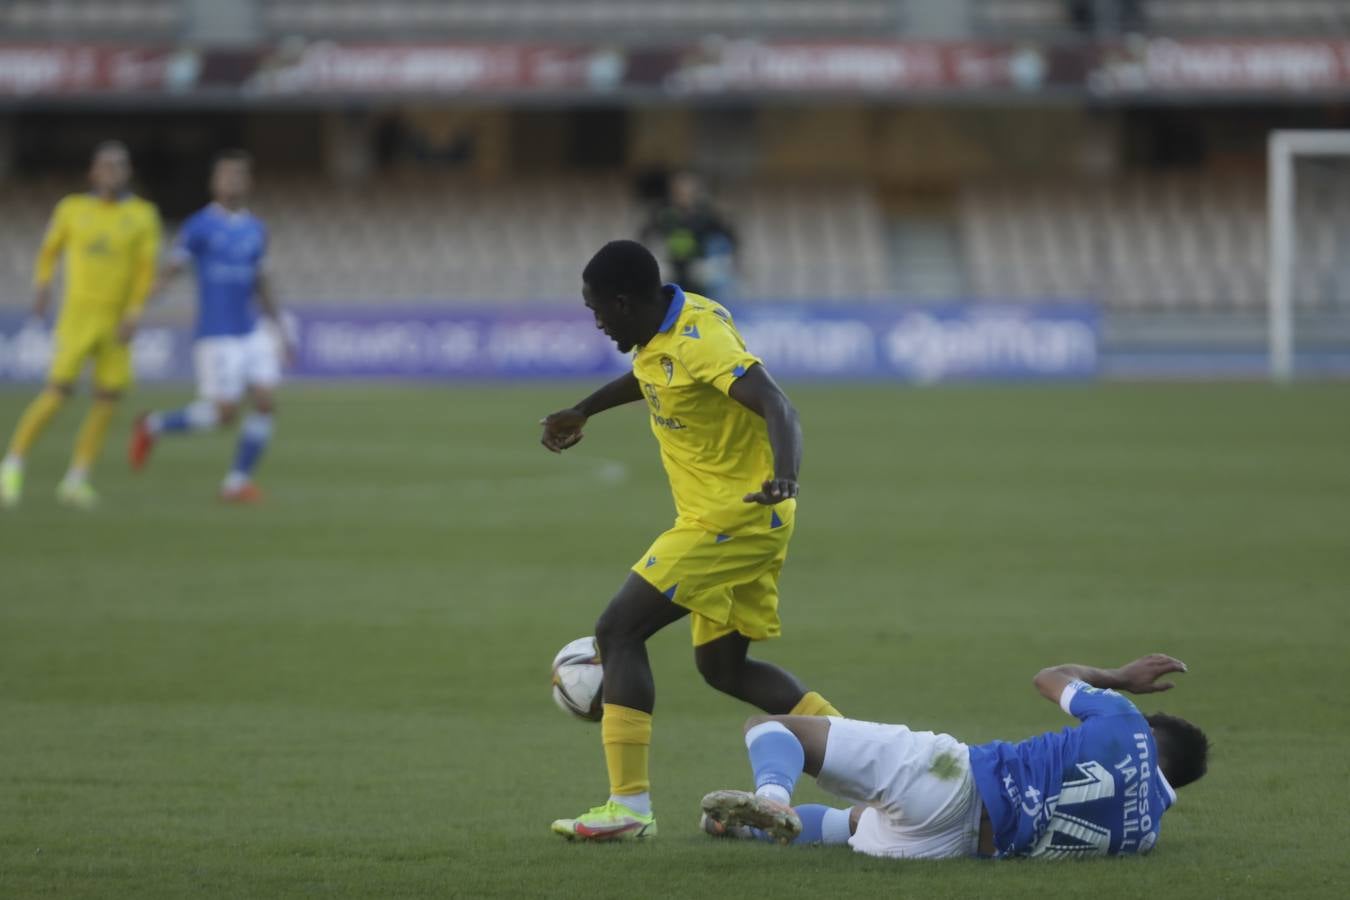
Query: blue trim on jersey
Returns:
{"type": "Point", "coordinates": [676, 307]}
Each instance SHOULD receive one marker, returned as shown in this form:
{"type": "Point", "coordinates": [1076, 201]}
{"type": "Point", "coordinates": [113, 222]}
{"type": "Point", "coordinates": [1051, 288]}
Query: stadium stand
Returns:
{"type": "Point", "coordinates": [1196, 17]}
{"type": "Point", "coordinates": [635, 18]}
{"type": "Point", "coordinates": [102, 19]}
{"type": "Point", "coordinates": [1143, 243]}
{"type": "Point", "coordinates": [653, 19]}
{"type": "Point", "coordinates": [421, 237]}
{"type": "Point", "coordinates": [826, 241]}
{"type": "Point", "coordinates": [1151, 242]}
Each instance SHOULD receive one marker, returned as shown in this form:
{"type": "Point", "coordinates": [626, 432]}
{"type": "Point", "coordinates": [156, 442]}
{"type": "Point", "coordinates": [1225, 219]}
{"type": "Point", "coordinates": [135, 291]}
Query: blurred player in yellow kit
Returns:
{"type": "Point", "coordinates": [110, 239]}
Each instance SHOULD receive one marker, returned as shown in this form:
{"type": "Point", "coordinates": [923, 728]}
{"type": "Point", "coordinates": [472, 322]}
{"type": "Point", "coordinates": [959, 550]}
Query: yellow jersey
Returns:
{"type": "Point", "coordinates": [715, 451]}
{"type": "Point", "coordinates": [111, 248]}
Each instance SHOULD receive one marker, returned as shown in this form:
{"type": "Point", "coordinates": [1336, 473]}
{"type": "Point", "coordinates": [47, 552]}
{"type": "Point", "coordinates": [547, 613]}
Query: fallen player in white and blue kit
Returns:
{"type": "Point", "coordinates": [235, 353]}
{"type": "Point", "coordinates": [1098, 789]}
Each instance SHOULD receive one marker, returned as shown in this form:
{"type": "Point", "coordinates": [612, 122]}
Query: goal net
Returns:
{"type": "Point", "coordinates": [1308, 193]}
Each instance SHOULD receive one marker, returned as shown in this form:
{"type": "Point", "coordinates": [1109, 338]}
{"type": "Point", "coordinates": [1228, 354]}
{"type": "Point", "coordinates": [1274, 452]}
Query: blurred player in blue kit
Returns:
{"type": "Point", "coordinates": [1098, 789]}
{"type": "Point", "coordinates": [235, 355]}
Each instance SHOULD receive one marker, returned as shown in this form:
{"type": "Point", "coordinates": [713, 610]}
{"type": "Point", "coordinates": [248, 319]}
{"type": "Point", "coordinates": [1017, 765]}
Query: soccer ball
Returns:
{"type": "Point", "coordinates": [577, 679]}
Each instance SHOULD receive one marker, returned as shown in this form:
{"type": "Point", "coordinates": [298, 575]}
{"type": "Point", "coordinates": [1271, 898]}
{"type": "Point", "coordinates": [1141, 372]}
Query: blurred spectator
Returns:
{"type": "Point", "coordinates": [698, 245]}
{"type": "Point", "coordinates": [1107, 17]}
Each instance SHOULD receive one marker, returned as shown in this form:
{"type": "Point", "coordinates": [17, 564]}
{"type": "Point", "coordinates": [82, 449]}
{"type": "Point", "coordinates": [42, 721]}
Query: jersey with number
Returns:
{"type": "Point", "coordinates": [226, 249]}
{"type": "Point", "coordinates": [111, 248]}
{"type": "Point", "coordinates": [1093, 790]}
{"type": "Point", "coordinates": [715, 450]}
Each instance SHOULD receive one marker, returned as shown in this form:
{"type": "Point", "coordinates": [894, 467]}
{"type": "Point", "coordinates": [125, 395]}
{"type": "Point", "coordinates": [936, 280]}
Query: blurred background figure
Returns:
{"type": "Point", "coordinates": [236, 355]}
{"type": "Point", "coordinates": [108, 240]}
{"type": "Point", "coordinates": [698, 245]}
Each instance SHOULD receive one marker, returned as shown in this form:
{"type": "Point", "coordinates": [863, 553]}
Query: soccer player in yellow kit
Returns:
{"type": "Point", "coordinates": [110, 239]}
{"type": "Point", "coordinates": [731, 445]}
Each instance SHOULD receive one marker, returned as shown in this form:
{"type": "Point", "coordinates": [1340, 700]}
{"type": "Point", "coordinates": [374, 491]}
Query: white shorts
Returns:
{"type": "Point", "coordinates": [922, 801]}
{"type": "Point", "coordinates": [227, 365]}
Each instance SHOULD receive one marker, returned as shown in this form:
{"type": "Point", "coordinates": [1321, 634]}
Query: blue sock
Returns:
{"type": "Point", "coordinates": [824, 824]}
{"type": "Point", "coordinates": [813, 817]}
{"type": "Point", "coordinates": [821, 824]}
{"type": "Point", "coordinates": [172, 422]}
{"type": "Point", "coordinates": [776, 756]}
{"type": "Point", "coordinates": [253, 437]}
{"type": "Point", "coordinates": [200, 415]}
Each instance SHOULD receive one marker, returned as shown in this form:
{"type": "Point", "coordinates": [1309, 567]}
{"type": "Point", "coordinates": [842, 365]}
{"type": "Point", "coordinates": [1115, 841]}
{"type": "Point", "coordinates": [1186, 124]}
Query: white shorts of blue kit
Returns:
{"type": "Point", "coordinates": [921, 800]}
{"type": "Point", "coordinates": [227, 365]}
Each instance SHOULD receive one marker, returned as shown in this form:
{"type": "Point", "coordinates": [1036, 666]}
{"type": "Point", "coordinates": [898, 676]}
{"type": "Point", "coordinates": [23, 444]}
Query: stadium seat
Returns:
{"type": "Point", "coordinates": [1151, 242]}
{"type": "Point", "coordinates": [426, 237]}
{"type": "Point", "coordinates": [141, 19]}
{"type": "Point", "coordinates": [606, 18]}
{"type": "Point", "coordinates": [1263, 18]}
{"type": "Point", "coordinates": [1154, 242]}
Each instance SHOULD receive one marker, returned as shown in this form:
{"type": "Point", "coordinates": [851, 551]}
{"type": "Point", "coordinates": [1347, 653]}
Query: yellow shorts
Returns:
{"type": "Point", "coordinates": [728, 583]}
{"type": "Point", "coordinates": [76, 344]}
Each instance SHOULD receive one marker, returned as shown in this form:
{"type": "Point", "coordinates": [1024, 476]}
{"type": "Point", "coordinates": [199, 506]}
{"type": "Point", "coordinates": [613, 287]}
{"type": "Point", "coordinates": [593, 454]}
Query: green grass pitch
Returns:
{"type": "Point", "coordinates": [345, 692]}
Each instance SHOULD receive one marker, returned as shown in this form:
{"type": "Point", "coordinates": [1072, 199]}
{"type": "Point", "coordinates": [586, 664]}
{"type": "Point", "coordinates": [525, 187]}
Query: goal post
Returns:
{"type": "Point", "coordinates": [1284, 149]}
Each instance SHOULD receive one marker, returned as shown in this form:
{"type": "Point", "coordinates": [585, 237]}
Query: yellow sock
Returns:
{"type": "Point", "coordinates": [812, 704]}
{"type": "Point", "coordinates": [627, 735]}
{"type": "Point", "coordinates": [92, 433]}
{"type": "Point", "coordinates": [34, 421]}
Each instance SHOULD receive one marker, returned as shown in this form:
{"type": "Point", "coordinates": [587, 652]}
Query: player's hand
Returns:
{"type": "Point", "coordinates": [1141, 676]}
{"type": "Point", "coordinates": [775, 490]}
{"type": "Point", "coordinates": [42, 300]}
{"type": "Point", "coordinates": [127, 329]}
{"type": "Point", "coordinates": [562, 429]}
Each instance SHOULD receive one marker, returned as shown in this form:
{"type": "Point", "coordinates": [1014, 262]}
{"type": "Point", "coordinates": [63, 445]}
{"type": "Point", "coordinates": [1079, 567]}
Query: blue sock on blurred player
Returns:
{"type": "Point", "coordinates": [777, 758]}
{"type": "Point", "coordinates": [198, 416]}
{"type": "Point", "coordinates": [253, 437]}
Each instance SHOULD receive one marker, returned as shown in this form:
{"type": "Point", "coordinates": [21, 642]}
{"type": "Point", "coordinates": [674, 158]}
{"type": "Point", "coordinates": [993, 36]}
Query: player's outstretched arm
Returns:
{"type": "Point", "coordinates": [562, 429]}
{"type": "Point", "coordinates": [44, 269]}
{"type": "Point", "coordinates": [144, 278]}
{"type": "Point", "coordinates": [1138, 677]}
{"type": "Point", "coordinates": [758, 392]}
{"type": "Point", "coordinates": [166, 275]}
{"type": "Point", "coordinates": [169, 272]}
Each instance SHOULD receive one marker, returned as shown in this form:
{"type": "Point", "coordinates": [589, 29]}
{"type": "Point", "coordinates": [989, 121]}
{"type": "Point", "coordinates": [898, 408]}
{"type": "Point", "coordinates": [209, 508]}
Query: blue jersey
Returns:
{"type": "Point", "coordinates": [1094, 790]}
{"type": "Point", "coordinates": [227, 251]}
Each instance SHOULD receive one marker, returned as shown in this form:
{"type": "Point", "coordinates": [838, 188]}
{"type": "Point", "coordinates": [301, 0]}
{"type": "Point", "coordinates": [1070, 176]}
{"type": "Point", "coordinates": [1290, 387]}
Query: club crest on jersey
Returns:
{"type": "Point", "coordinates": [668, 366]}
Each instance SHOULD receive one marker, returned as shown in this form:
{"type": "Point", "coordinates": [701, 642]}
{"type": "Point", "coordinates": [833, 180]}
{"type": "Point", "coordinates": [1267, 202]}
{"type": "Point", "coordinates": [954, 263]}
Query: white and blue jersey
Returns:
{"type": "Point", "coordinates": [227, 250]}
{"type": "Point", "coordinates": [1093, 790]}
